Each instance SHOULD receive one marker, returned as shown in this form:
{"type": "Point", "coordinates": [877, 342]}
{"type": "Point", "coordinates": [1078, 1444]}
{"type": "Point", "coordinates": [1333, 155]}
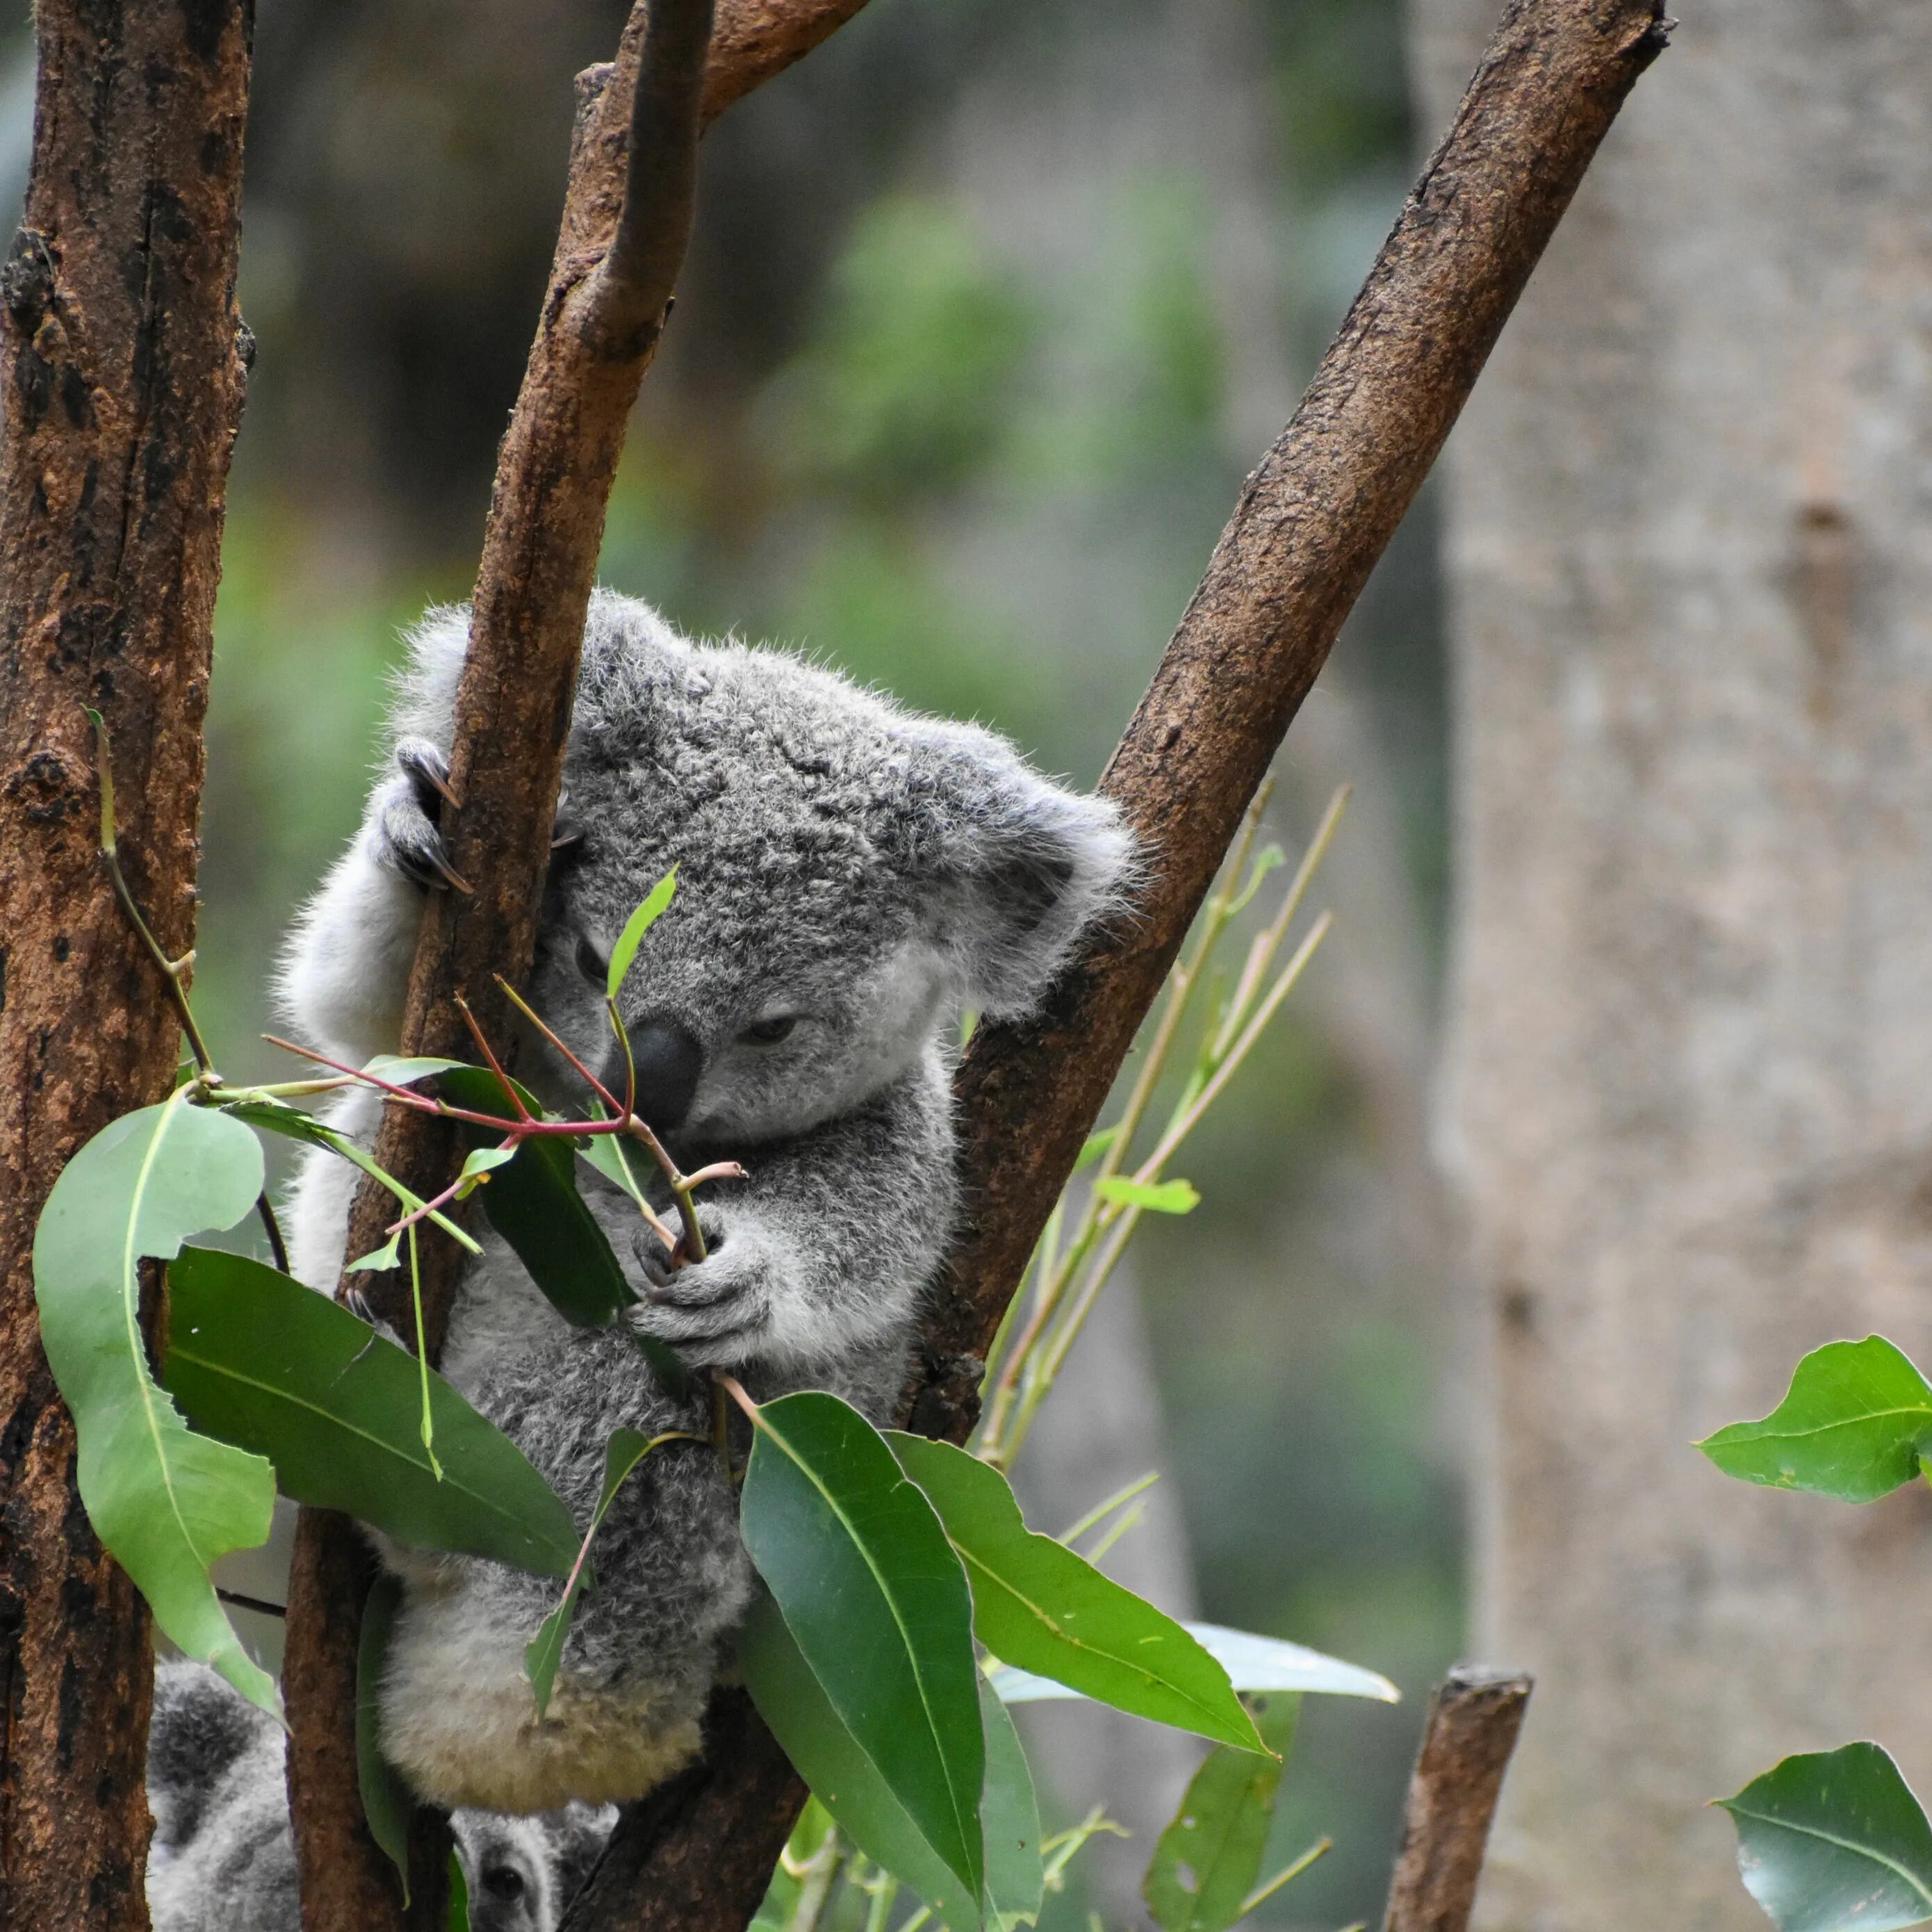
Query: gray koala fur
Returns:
{"type": "Point", "coordinates": [224, 1858]}
{"type": "Point", "coordinates": [850, 877]}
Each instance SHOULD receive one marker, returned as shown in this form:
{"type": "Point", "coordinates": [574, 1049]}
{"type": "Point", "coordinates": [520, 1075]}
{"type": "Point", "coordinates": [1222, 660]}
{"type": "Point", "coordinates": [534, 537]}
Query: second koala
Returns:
{"type": "Point", "coordinates": [850, 877]}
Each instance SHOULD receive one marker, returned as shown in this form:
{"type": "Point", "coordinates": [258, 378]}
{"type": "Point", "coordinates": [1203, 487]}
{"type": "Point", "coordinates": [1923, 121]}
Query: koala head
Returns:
{"type": "Point", "coordinates": [849, 877]}
{"type": "Point", "coordinates": [510, 1870]}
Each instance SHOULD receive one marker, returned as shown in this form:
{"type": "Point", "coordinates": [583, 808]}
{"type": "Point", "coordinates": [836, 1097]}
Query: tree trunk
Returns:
{"type": "Point", "coordinates": [122, 391]}
{"type": "Point", "coordinates": [1691, 1093]}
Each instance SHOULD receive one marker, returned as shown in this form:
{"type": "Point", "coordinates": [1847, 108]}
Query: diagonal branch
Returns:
{"type": "Point", "coordinates": [1310, 525]}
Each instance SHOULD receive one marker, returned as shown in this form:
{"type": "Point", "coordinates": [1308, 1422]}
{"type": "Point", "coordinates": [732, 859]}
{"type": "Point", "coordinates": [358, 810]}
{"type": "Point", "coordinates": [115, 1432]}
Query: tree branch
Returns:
{"type": "Point", "coordinates": [1311, 522]}
{"type": "Point", "coordinates": [626, 218]}
{"type": "Point", "coordinates": [122, 380]}
{"type": "Point", "coordinates": [1473, 1718]}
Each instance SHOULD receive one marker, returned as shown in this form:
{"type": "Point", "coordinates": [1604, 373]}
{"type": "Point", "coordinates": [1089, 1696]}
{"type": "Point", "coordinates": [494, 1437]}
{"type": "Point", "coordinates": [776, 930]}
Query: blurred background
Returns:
{"type": "Point", "coordinates": [990, 309]}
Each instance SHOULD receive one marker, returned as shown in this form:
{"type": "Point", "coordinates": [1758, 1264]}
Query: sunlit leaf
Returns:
{"type": "Point", "coordinates": [1207, 1859]}
{"type": "Point", "coordinates": [165, 1501]}
{"type": "Point", "coordinates": [401, 1071]}
{"type": "Point", "coordinates": [386, 1799]}
{"type": "Point", "coordinates": [261, 1362]}
{"type": "Point", "coordinates": [1038, 1605]}
{"type": "Point", "coordinates": [625, 1450]}
{"type": "Point", "coordinates": [640, 923]}
{"type": "Point", "coordinates": [878, 1603]}
{"type": "Point", "coordinates": [1834, 1841]}
{"type": "Point", "coordinates": [1094, 1146]}
{"type": "Point", "coordinates": [1162, 1197]}
{"type": "Point", "coordinates": [480, 1164]}
{"type": "Point", "coordinates": [1252, 1664]}
{"type": "Point", "coordinates": [1853, 1424]}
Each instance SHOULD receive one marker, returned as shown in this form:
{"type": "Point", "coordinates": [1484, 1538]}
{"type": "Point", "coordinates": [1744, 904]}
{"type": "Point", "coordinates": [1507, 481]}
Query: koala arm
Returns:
{"type": "Point", "coordinates": [346, 969]}
{"type": "Point", "coordinates": [820, 1255]}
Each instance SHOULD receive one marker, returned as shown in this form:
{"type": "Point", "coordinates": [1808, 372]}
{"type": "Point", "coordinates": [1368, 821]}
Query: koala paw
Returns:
{"type": "Point", "coordinates": [408, 838]}
{"type": "Point", "coordinates": [714, 1311]}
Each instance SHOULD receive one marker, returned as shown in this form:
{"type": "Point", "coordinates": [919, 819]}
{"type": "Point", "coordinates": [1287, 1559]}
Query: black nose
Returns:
{"type": "Point", "coordinates": [668, 1060]}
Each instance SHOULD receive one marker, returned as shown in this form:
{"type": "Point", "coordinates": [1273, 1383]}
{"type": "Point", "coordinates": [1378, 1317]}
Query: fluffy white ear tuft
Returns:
{"type": "Point", "coordinates": [1021, 868]}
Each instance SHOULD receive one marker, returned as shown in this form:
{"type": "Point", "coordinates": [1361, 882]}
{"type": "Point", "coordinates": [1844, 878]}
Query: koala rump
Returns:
{"type": "Point", "coordinates": [849, 876]}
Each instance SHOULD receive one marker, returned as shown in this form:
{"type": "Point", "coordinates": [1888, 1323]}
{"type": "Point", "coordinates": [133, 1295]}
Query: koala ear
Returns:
{"type": "Point", "coordinates": [1020, 868]}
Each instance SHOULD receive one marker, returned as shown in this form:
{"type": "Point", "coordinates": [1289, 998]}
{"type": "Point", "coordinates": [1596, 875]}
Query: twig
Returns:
{"type": "Point", "coordinates": [1473, 1718]}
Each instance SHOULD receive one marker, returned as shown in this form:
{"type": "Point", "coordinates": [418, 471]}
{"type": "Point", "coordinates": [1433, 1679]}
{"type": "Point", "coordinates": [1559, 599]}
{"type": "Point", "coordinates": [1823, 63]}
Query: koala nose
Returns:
{"type": "Point", "coordinates": [668, 1061]}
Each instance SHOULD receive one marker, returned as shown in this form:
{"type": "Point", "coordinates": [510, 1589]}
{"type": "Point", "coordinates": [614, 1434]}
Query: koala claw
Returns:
{"type": "Point", "coordinates": [411, 841]}
{"type": "Point", "coordinates": [715, 1307]}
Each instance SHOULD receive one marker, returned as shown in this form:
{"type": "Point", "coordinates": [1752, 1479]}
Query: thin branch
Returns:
{"type": "Point", "coordinates": [634, 286]}
{"type": "Point", "coordinates": [1473, 1718]}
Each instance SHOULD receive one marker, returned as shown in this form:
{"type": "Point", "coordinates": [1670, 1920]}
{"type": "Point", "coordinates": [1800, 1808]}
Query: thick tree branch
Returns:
{"type": "Point", "coordinates": [1473, 1718]}
{"type": "Point", "coordinates": [1310, 525]}
{"type": "Point", "coordinates": [121, 376]}
{"type": "Point", "coordinates": [626, 218]}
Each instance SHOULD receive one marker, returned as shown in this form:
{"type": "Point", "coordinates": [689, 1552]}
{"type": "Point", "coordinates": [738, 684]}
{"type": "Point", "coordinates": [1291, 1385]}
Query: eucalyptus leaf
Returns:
{"type": "Point", "coordinates": [1094, 1146]}
{"type": "Point", "coordinates": [1038, 1605]}
{"type": "Point", "coordinates": [261, 1362]}
{"type": "Point", "coordinates": [458, 1919]}
{"type": "Point", "coordinates": [1852, 1425]}
{"type": "Point", "coordinates": [1205, 1863]}
{"type": "Point", "coordinates": [1009, 1815]}
{"type": "Point", "coordinates": [165, 1501]}
{"type": "Point", "coordinates": [842, 1777]}
{"type": "Point", "coordinates": [640, 923]}
{"type": "Point", "coordinates": [401, 1071]}
{"type": "Point", "coordinates": [623, 1452]}
{"type": "Point", "coordinates": [877, 1604]}
{"type": "Point", "coordinates": [478, 1165]}
{"type": "Point", "coordinates": [1161, 1197]}
{"type": "Point", "coordinates": [1834, 1841]}
{"type": "Point", "coordinates": [387, 1802]}
{"type": "Point", "coordinates": [1252, 1664]}
{"type": "Point", "coordinates": [293, 1124]}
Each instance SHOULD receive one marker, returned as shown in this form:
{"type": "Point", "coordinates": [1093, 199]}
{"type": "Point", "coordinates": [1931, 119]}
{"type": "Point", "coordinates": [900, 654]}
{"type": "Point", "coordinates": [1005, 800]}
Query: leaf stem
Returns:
{"type": "Point", "coordinates": [1281, 1878]}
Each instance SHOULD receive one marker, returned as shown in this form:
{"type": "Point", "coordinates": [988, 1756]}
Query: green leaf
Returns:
{"type": "Point", "coordinates": [1094, 1146]}
{"type": "Point", "coordinates": [387, 1801]}
{"type": "Point", "coordinates": [1207, 1859]}
{"type": "Point", "coordinates": [1834, 1841]}
{"type": "Point", "coordinates": [533, 1203]}
{"type": "Point", "coordinates": [1252, 1664]}
{"type": "Point", "coordinates": [1038, 1605]}
{"type": "Point", "coordinates": [388, 1256]}
{"type": "Point", "coordinates": [293, 1124]}
{"type": "Point", "coordinates": [165, 1501]}
{"type": "Point", "coordinates": [1852, 1425]}
{"type": "Point", "coordinates": [878, 1603]}
{"type": "Point", "coordinates": [399, 1072]}
{"type": "Point", "coordinates": [1165, 1197]}
{"type": "Point", "coordinates": [261, 1362]}
{"type": "Point", "coordinates": [623, 1452]}
{"type": "Point", "coordinates": [635, 927]}
{"type": "Point", "coordinates": [482, 1162]}
{"type": "Point", "coordinates": [458, 1920]}
{"type": "Point", "coordinates": [607, 1154]}
{"type": "Point", "coordinates": [843, 1778]}
{"type": "Point", "coordinates": [1010, 1814]}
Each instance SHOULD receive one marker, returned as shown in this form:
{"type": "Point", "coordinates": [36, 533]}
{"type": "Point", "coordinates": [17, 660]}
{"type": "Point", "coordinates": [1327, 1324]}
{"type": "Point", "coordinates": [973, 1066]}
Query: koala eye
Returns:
{"type": "Point", "coordinates": [768, 1033]}
{"type": "Point", "coordinates": [591, 961]}
{"type": "Point", "coordinates": [503, 1882]}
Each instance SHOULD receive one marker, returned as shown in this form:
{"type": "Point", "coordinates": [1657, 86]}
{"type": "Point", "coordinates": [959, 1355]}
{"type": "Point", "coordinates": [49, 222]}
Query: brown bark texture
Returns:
{"type": "Point", "coordinates": [1473, 1718]}
{"type": "Point", "coordinates": [122, 387]}
{"type": "Point", "coordinates": [1311, 522]}
{"type": "Point", "coordinates": [626, 219]}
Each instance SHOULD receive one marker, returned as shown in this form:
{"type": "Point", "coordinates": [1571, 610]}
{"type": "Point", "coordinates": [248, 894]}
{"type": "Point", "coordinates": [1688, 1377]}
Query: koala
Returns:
{"type": "Point", "coordinates": [223, 1858]}
{"type": "Point", "coordinates": [850, 877]}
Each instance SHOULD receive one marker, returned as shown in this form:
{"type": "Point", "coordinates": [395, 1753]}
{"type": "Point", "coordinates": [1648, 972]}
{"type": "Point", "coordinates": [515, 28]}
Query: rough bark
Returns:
{"type": "Point", "coordinates": [1691, 1073]}
{"type": "Point", "coordinates": [122, 390]}
{"type": "Point", "coordinates": [1473, 1718]}
{"type": "Point", "coordinates": [627, 216]}
{"type": "Point", "coordinates": [1310, 524]}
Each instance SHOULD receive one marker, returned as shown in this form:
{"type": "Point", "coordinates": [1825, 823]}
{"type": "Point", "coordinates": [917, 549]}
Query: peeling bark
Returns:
{"type": "Point", "coordinates": [121, 376]}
